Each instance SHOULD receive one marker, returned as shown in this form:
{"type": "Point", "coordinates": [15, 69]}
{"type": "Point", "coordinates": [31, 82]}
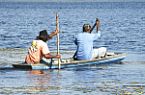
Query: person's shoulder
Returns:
{"type": "Point", "coordinates": [99, 31]}
{"type": "Point", "coordinates": [83, 33]}
{"type": "Point", "coordinates": [41, 42]}
{"type": "Point", "coordinates": [96, 33]}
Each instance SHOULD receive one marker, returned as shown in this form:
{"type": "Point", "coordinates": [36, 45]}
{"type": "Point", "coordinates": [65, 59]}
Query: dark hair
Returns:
{"type": "Point", "coordinates": [43, 35]}
{"type": "Point", "coordinates": [86, 27]}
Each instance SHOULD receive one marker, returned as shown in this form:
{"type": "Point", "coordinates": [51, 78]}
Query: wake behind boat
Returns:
{"type": "Point", "coordinates": [70, 62]}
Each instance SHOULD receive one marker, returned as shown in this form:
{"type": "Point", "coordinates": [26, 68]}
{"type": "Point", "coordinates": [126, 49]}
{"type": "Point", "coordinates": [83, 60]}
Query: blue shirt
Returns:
{"type": "Point", "coordinates": [84, 42]}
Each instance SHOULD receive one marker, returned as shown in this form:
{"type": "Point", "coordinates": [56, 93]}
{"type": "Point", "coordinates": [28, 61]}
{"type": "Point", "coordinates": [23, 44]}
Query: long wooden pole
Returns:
{"type": "Point", "coordinates": [57, 28]}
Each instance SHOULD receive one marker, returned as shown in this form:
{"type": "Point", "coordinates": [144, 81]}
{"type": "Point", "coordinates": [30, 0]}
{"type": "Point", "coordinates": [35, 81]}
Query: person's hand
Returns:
{"type": "Point", "coordinates": [97, 22]}
{"type": "Point", "coordinates": [56, 32]}
{"type": "Point", "coordinates": [58, 56]}
{"type": "Point", "coordinates": [53, 34]}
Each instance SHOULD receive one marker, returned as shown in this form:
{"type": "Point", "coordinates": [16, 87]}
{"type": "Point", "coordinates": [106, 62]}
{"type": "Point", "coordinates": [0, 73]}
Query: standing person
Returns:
{"type": "Point", "coordinates": [39, 48]}
{"type": "Point", "coordinates": [84, 42]}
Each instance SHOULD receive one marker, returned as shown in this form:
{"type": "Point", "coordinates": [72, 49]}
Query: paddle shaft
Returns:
{"type": "Point", "coordinates": [93, 27]}
{"type": "Point", "coordinates": [57, 28]}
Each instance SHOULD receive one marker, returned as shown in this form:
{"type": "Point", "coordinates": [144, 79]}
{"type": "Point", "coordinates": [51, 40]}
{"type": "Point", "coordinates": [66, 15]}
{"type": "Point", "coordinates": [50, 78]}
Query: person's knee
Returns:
{"type": "Point", "coordinates": [103, 49]}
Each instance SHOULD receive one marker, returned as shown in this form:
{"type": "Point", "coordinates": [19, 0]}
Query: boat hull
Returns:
{"type": "Point", "coordinates": [68, 63]}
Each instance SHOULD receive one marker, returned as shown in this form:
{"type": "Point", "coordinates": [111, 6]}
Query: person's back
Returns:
{"type": "Point", "coordinates": [36, 51]}
{"type": "Point", "coordinates": [39, 48]}
{"type": "Point", "coordinates": [85, 45]}
{"type": "Point", "coordinates": [84, 42]}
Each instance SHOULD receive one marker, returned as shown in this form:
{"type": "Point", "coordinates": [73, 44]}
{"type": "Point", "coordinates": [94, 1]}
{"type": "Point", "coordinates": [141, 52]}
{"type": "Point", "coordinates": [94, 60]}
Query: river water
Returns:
{"type": "Point", "coordinates": [122, 28]}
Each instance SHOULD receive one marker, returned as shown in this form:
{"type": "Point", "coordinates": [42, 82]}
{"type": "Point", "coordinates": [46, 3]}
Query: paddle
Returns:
{"type": "Point", "coordinates": [57, 28]}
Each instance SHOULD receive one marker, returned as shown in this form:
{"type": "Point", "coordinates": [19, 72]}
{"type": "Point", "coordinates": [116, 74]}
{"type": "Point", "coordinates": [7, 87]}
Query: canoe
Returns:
{"type": "Point", "coordinates": [69, 62]}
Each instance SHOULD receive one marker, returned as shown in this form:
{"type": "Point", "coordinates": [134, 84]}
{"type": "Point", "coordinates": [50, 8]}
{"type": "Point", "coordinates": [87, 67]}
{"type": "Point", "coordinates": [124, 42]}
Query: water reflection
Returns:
{"type": "Point", "coordinates": [43, 82]}
{"type": "Point", "coordinates": [37, 72]}
{"type": "Point", "coordinates": [113, 79]}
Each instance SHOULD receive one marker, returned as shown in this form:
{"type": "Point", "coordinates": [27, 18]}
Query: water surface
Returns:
{"type": "Point", "coordinates": [122, 28]}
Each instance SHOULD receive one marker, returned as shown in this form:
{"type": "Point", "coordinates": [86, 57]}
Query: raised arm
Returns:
{"type": "Point", "coordinates": [53, 34]}
{"type": "Point", "coordinates": [97, 25]}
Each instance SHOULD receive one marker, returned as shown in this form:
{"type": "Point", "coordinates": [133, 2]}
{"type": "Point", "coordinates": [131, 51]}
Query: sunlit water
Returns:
{"type": "Point", "coordinates": [122, 27]}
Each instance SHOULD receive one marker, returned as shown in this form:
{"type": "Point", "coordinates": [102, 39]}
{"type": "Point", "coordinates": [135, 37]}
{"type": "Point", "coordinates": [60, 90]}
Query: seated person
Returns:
{"type": "Point", "coordinates": [84, 42]}
{"type": "Point", "coordinates": [39, 49]}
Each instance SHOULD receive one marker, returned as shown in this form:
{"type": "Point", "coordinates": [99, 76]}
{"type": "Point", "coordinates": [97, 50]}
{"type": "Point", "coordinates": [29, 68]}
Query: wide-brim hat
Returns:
{"type": "Point", "coordinates": [43, 35]}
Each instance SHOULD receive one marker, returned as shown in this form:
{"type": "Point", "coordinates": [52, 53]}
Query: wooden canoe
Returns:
{"type": "Point", "coordinates": [69, 62]}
